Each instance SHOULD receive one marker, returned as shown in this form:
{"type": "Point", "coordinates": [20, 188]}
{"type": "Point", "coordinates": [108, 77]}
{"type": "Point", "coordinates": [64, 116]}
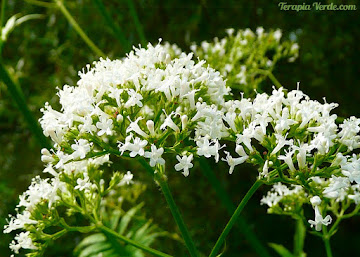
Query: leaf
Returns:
{"type": "Point", "coordinates": [130, 224]}
{"type": "Point", "coordinates": [281, 250]}
{"type": "Point", "coordinates": [94, 249]}
{"type": "Point", "coordinates": [114, 219]}
{"type": "Point", "coordinates": [127, 218]}
{"type": "Point", "coordinates": [13, 21]}
{"type": "Point", "coordinates": [92, 239]}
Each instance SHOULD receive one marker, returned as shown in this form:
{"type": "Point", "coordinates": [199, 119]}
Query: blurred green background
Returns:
{"type": "Point", "coordinates": [46, 53]}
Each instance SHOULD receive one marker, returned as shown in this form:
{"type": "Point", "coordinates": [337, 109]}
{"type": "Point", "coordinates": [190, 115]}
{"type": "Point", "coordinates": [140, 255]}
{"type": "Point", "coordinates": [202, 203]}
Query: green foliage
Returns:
{"type": "Point", "coordinates": [131, 224]}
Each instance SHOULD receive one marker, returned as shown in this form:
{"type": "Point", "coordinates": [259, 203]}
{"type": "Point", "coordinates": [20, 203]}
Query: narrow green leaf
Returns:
{"type": "Point", "coordinates": [92, 239]}
{"type": "Point", "coordinates": [127, 218]}
{"type": "Point", "coordinates": [281, 250]}
{"type": "Point", "coordinates": [114, 219]}
{"type": "Point", "coordinates": [94, 249]}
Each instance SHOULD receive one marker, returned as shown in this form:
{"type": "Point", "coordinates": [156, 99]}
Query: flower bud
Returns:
{"type": "Point", "coordinates": [315, 201]}
{"type": "Point", "coordinates": [184, 121]}
{"type": "Point", "coordinates": [150, 126]}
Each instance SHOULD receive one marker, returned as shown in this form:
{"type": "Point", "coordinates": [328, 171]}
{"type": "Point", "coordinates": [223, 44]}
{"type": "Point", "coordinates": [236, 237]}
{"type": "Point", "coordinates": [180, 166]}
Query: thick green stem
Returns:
{"type": "Point", "coordinates": [230, 207]}
{"type": "Point", "coordinates": [18, 97]}
{"type": "Point", "coordinates": [327, 247]}
{"type": "Point", "coordinates": [159, 178]}
{"type": "Point", "coordinates": [234, 217]}
{"type": "Point", "coordinates": [133, 243]}
{"type": "Point", "coordinates": [326, 239]}
{"type": "Point", "coordinates": [78, 29]}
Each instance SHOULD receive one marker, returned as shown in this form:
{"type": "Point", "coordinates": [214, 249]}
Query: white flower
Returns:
{"type": "Point", "coordinates": [168, 122]}
{"type": "Point", "coordinates": [351, 169]}
{"type": "Point", "coordinates": [105, 125]}
{"type": "Point", "coordinates": [281, 142]}
{"type": "Point", "coordinates": [155, 156]}
{"type": "Point", "coordinates": [134, 99]}
{"type": "Point", "coordinates": [336, 184]}
{"type": "Point", "coordinates": [208, 149]}
{"type": "Point", "coordinates": [287, 158]}
{"type": "Point", "coordinates": [319, 220]}
{"type": "Point", "coordinates": [127, 179]}
{"type": "Point", "coordinates": [19, 222]}
{"type": "Point", "coordinates": [81, 148]}
{"type": "Point", "coordinates": [315, 200]}
{"type": "Point", "coordinates": [265, 170]}
{"type": "Point", "coordinates": [232, 162]}
{"type": "Point", "coordinates": [23, 241]}
{"type": "Point", "coordinates": [83, 184]}
{"type": "Point", "coordinates": [135, 148]}
{"type": "Point", "coordinates": [184, 164]}
{"type": "Point", "coordinates": [134, 126]}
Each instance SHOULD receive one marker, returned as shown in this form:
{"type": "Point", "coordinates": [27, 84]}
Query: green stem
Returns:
{"type": "Point", "coordinates": [78, 29]}
{"type": "Point", "coordinates": [137, 23]}
{"type": "Point", "coordinates": [133, 243]}
{"type": "Point", "coordinates": [271, 76]}
{"type": "Point", "coordinates": [160, 179]}
{"type": "Point", "coordinates": [229, 205]}
{"type": "Point", "coordinates": [299, 238]}
{"type": "Point", "coordinates": [326, 239]}
{"type": "Point", "coordinates": [234, 217]}
{"type": "Point", "coordinates": [18, 97]}
{"type": "Point", "coordinates": [327, 247]}
{"type": "Point", "coordinates": [115, 28]}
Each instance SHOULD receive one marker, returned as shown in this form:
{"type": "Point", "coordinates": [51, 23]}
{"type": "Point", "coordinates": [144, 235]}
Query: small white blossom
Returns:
{"type": "Point", "coordinates": [232, 162]}
{"type": "Point", "coordinates": [319, 220]}
{"type": "Point", "coordinates": [81, 148]}
{"type": "Point", "coordinates": [184, 164]}
{"type": "Point", "coordinates": [155, 156]}
{"type": "Point", "coordinates": [105, 125]}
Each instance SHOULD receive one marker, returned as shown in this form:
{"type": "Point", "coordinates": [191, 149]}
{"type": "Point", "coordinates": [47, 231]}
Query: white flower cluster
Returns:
{"type": "Point", "coordinates": [278, 192]}
{"type": "Point", "coordinates": [40, 191]}
{"type": "Point", "coordinates": [290, 135]}
{"type": "Point", "coordinates": [244, 57]}
{"type": "Point", "coordinates": [129, 104]}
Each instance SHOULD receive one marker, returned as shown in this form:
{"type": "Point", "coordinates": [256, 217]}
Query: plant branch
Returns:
{"type": "Point", "coordinates": [234, 217]}
{"type": "Point", "coordinates": [78, 29]}
{"type": "Point", "coordinates": [326, 239]}
{"type": "Point", "coordinates": [230, 207]}
{"type": "Point", "coordinates": [133, 243]}
{"type": "Point", "coordinates": [160, 179]}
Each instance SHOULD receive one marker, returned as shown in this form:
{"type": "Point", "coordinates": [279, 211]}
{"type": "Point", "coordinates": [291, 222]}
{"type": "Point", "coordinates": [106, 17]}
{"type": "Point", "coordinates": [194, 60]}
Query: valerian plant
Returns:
{"type": "Point", "coordinates": [157, 105]}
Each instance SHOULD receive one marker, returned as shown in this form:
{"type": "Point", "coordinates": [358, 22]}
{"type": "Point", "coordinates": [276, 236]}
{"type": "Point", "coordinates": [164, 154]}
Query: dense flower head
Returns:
{"type": "Point", "coordinates": [298, 140]}
{"type": "Point", "coordinates": [130, 103]}
{"type": "Point", "coordinates": [246, 57]}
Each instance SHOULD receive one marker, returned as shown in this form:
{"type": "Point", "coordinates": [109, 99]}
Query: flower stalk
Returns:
{"type": "Point", "coordinates": [78, 29]}
{"type": "Point", "coordinates": [160, 179]}
{"type": "Point", "coordinates": [234, 217]}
